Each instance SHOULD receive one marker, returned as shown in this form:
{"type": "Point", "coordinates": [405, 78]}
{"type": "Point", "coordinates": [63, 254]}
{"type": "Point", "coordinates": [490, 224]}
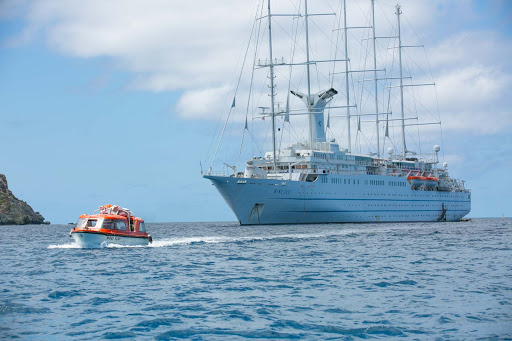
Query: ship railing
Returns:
{"type": "Point", "coordinates": [219, 173]}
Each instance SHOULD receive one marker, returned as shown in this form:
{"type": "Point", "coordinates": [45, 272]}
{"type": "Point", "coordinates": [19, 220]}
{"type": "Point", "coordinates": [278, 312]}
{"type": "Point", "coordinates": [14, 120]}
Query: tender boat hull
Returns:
{"type": "Point", "coordinates": [98, 239]}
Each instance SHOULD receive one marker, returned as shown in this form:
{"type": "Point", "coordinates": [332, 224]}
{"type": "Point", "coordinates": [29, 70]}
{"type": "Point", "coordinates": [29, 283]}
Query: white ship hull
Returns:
{"type": "Point", "coordinates": [355, 199]}
{"type": "Point", "coordinates": [95, 240]}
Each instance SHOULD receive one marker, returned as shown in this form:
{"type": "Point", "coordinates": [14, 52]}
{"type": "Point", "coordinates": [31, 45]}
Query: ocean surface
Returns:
{"type": "Point", "coordinates": [222, 281]}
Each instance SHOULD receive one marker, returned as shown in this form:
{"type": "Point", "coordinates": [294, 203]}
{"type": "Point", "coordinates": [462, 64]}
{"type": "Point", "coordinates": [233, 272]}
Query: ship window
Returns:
{"type": "Point", "coordinates": [91, 223]}
{"type": "Point", "coordinates": [108, 224]}
{"type": "Point", "coordinates": [142, 227]}
{"type": "Point", "coordinates": [121, 225]}
{"type": "Point", "coordinates": [81, 222]}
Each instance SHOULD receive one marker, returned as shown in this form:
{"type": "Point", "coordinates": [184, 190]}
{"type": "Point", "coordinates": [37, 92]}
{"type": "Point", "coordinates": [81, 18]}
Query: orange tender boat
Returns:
{"type": "Point", "coordinates": [111, 225]}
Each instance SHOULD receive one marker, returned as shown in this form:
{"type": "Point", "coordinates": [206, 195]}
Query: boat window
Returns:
{"type": "Point", "coordinates": [142, 227]}
{"type": "Point", "coordinates": [91, 222]}
{"type": "Point", "coordinates": [81, 222]}
{"type": "Point", "coordinates": [121, 225]}
{"type": "Point", "coordinates": [108, 224]}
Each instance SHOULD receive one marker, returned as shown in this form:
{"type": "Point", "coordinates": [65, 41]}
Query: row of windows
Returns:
{"type": "Point", "coordinates": [376, 182]}
{"type": "Point", "coordinates": [366, 182]}
{"type": "Point", "coordinates": [396, 183]}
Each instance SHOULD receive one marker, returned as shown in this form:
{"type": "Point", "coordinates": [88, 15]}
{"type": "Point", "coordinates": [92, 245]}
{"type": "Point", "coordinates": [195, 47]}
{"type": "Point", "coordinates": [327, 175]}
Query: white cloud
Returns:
{"type": "Point", "coordinates": [472, 86]}
{"type": "Point", "coordinates": [471, 47]}
{"type": "Point", "coordinates": [486, 122]}
{"type": "Point", "coordinates": [167, 45]}
{"type": "Point", "coordinates": [190, 45]}
{"type": "Point", "coordinates": [204, 103]}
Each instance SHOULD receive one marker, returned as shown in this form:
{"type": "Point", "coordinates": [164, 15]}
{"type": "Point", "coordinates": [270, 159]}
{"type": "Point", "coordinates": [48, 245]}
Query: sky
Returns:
{"type": "Point", "coordinates": [121, 101]}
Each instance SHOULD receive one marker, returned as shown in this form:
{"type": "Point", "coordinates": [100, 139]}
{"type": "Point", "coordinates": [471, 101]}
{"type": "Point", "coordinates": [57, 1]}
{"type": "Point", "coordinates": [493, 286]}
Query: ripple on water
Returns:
{"type": "Point", "coordinates": [334, 329]}
{"type": "Point", "coordinates": [119, 335]}
{"type": "Point", "coordinates": [382, 284]}
{"type": "Point", "coordinates": [64, 294]}
{"type": "Point", "coordinates": [157, 322]}
{"type": "Point", "coordinates": [18, 308]}
{"type": "Point", "coordinates": [221, 281]}
{"type": "Point", "coordinates": [83, 322]}
{"type": "Point", "coordinates": [256, 334]}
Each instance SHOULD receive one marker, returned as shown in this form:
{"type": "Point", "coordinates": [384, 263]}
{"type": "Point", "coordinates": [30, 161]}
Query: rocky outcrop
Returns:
{"type": "Point", "coordinates": [14, 211]}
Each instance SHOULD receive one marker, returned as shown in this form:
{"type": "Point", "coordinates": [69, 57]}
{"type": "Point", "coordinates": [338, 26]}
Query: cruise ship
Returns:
{"type": "Point", "coordinates": [318, 179]}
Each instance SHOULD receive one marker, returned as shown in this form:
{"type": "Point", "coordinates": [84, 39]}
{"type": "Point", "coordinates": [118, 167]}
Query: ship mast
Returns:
{"type": "Point", "coordinates": [346, 73]}
{"type": "Point", "coordinates": [404, 150]}
{"type": "Point", "coordinates": [375, 79]}
{"type": "Point", "coordinates": [310, 115]}
{"type": "Point", "coordinates": [272, 94]}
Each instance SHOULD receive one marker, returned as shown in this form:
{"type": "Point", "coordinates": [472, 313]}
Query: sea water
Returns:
{"type": "Point", "coordinates": [222, 281]}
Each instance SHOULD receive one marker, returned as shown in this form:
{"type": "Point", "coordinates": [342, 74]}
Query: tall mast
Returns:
{"type": "Point", "coordinates": [404, 150]}
{"type": "Point", "coordinates": [346, 74]}
{"type": "Point", "coordinates": [310, 115]}
{"type": "Point", "coordinates": [375, 79]}
{"type": "Point", "coordinates": [272, 86]}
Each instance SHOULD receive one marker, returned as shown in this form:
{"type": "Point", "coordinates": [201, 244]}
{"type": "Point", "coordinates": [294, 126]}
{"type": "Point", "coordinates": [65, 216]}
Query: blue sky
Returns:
{"type": "Point", "coordinates": [118, 102]}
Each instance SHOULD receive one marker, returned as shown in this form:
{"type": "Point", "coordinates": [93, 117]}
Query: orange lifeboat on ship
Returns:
{"type": "Point", "coordinates": [430, 181]}
{"type": "Point", "coordinates": [110, 224]}
{"type": "Point", "coordinates": [416, 181]}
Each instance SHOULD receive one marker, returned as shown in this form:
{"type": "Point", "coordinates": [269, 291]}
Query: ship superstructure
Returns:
{"type": "Point", "coordinates": [318, 181]}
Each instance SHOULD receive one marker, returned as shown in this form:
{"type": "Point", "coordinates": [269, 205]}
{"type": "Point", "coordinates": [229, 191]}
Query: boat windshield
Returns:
{"type": "Point", "coordinates": [92, 222]}
{"type": "Point", "coordinates": [142, 227]}
{"type": "Point", "coordinates": [81, 222]}
{"type": "Point", "coordinates": [111, 224]}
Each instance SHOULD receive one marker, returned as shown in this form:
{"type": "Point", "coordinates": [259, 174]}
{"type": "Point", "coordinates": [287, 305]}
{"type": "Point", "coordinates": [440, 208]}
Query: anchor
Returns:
{"type": "Point", "coordinates": [443, 213]}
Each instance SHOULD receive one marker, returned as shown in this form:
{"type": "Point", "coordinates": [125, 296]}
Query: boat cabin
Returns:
{"type": "Point", "coordinates": [111, 222]}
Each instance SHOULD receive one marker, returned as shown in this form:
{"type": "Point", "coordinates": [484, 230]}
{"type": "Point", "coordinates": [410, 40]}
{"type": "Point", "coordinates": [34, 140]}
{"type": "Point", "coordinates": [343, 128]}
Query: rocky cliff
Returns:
{"type": "Point", "coordinates": [14, 211]}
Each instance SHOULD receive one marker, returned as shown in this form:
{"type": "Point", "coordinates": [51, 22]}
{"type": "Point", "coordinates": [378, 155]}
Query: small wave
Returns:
{"type": "Point", "coordinates": [217, 240]}
{"type": "Point", "coordinates": [65, 246]}
{"type": "Point", "coordinates": [119, 335]}
{"type": "Point", "coordinates": [191, 240]}
{"type": "Point", "coordinates": [246, 239]}
{"type": "Point", "coordinates": [63, 294]}
{"type": "Point", "coordinates": [119, 246]}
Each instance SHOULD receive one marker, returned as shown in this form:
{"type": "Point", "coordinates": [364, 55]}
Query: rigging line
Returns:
{"type": "Point", "coordinates": [255, 142]}
{"type": "Point", "coordinates": [281, 138]}
{"type": "Point", "coordinates": [255, 107]}
{"type": "Point", "coordinates": [421, 42]}
{"type": "Point", "coordinates": [220, 117]}
{"type": "Point", "coordinates": [389, 81]}
{"type": "Point", "coordinates": [293, 47]}
{"type": "Point", "coordinates": [437, 100]}
{"type": "Point", "coordinates": [415, 101]}
{"type": "Point", "coordinates": [236, 90]}
{"type": "Point", "coordinates": [252, 79]}
{"type": "Point", "coordinates": [336, 46]}
{"type": "Point", "coordinates": [361, 86]}
{"type": "Point", "coordinates": [333, 46]}
{"type": "Point", "coordinates": [289, 77]}
{"type": "Point", "coordinates": [337, 29]}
